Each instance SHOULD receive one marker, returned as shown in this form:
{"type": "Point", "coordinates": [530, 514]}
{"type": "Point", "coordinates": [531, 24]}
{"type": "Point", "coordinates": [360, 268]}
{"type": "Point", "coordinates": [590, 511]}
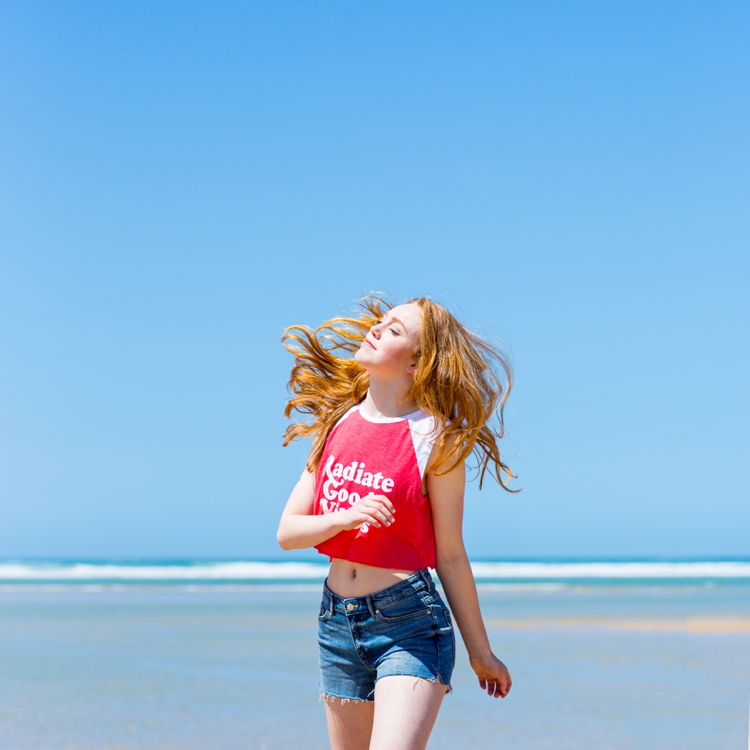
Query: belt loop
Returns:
{"type": "Point", "coordinates": [370, 606]}
{"type": "Point", "coordinates": [426, 577]}
{"type": "Point", "coordinates": [330, 604]}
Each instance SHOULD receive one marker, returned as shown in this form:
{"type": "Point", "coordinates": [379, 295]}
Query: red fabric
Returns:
{"type": "Point", "coordinates": [363, 457]}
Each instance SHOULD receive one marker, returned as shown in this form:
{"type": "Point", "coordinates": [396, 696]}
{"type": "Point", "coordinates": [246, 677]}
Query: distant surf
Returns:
{"type": "Point", "coordinates": [260, 573]}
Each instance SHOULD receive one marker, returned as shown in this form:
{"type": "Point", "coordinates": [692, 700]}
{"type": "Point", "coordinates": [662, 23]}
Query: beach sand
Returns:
{"type": "Point", "coordinates": [647, 668]}
{"type": "Point", "coordinates": [713, 625]}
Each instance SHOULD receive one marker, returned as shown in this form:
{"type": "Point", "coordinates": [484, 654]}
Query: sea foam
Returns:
{"type": "Point", "coordinates": [258, 571]}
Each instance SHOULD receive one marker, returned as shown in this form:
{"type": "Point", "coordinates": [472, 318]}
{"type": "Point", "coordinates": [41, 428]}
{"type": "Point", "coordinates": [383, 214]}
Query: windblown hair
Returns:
{"type": "Point", "coordinates": [459, 379]}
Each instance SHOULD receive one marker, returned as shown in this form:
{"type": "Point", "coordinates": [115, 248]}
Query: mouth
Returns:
{"type": "Point", "coordinates": [367, 343]}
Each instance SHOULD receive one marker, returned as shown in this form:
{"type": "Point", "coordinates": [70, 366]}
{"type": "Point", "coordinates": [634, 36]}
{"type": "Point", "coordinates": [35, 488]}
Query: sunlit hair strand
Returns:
{"type": "Point", "coordinates": [460, 379]}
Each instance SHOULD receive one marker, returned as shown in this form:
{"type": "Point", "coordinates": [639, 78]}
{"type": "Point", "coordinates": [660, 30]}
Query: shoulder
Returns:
{"type": "Point", "coordinates": [445, 444]}
{"type": "Point", "coordinates": [425, 435]}
{"type": "Point", "coordinates": [422, 422]}
{"type": "Point", "coordinates": [431, 428]}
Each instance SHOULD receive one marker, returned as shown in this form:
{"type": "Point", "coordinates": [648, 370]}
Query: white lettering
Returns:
{"type": "Point", "coordinates": [331, 484]}
{"type": "Point", "coordinates": [336, 474]}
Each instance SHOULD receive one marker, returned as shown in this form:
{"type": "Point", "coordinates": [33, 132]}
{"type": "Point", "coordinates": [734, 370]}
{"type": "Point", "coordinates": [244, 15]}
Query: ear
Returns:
{"type": "Point", "coordinates": [412, 368]}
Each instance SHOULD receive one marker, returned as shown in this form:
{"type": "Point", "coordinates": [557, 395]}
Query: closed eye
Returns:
{"type": "Point", "coordinates": [390, 323]}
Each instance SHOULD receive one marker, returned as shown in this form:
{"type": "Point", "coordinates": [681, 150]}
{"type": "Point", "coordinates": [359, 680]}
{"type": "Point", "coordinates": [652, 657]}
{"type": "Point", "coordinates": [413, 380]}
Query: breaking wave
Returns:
{"type": "Point", "coordinates": [255, 572]}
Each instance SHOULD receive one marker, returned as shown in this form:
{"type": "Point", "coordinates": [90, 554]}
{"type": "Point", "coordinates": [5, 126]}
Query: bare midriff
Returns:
{"type": "Point", "coordinates": [350, 579]}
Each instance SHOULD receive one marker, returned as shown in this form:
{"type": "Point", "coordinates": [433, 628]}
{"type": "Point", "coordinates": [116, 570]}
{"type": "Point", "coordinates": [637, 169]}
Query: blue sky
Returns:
{"type": "Point", "coordinates": [180, 181]}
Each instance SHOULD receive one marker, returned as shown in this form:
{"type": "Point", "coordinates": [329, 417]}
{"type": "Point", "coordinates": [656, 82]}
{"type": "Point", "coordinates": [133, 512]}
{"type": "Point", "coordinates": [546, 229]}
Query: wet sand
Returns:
{"type": "Point", "coordinates": [592, 667]}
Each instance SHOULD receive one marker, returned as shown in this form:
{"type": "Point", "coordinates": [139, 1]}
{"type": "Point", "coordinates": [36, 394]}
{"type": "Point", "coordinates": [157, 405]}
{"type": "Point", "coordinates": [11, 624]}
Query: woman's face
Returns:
{"type": "Point", "coordinates": [391, 344]}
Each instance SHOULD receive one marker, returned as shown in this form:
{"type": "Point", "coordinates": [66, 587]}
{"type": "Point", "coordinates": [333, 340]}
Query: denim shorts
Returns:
{"type": "Point", "coordinates": [405, 629]}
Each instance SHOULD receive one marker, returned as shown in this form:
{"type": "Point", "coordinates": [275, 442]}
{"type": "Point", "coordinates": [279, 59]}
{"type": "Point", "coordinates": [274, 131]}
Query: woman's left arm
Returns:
{"type": "Point", "coordinates": [446, 494]}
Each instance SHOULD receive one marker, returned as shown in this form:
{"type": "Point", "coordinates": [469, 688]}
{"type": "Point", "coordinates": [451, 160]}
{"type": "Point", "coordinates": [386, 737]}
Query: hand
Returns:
{"type": "Point", "coordinates": [493, 675]}
{"type": "Point", "coordinates": [376, 510]}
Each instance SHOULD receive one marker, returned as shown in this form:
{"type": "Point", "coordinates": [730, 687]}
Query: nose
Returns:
{"type": "Point", "coordinates": [375, 330]}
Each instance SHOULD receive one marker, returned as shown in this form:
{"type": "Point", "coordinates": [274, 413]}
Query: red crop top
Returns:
{"type": "Point", "coordinates": [364, 456]}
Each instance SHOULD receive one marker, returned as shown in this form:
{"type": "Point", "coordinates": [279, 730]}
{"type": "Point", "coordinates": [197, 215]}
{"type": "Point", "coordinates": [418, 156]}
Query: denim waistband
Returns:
{"type": "Point", "coordinates": [421, 580]}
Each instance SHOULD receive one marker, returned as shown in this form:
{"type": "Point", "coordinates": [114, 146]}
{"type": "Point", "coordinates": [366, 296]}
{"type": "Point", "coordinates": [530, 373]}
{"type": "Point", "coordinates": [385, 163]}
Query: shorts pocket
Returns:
{"type": "Point", "coordinates": [446, 623]}
{"type": "Point", "coordinates": [407, 608]}
{"type": "Point", "coordinates": [324, 613]}
{"type": "Point", "coordinates": [449, 629]}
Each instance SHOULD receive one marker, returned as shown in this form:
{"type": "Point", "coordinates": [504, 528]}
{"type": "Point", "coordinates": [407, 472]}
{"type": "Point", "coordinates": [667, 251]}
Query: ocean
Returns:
{"type": "Point", "coordinates": [99, 655]}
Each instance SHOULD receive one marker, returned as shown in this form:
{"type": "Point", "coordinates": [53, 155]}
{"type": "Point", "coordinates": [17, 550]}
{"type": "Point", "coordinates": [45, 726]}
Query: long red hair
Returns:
{"type": "Point", "coordinates": [460, 379]}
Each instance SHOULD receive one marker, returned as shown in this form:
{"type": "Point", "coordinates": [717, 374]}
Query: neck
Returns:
{"type": "Point", "coordinates": [388, 399]}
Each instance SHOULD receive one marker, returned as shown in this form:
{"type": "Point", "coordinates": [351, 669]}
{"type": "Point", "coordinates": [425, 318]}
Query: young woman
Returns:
{"type": "Point", "coordinates": [382, 495]}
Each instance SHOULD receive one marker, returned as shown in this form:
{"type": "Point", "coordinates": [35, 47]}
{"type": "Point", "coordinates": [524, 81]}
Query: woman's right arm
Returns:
{"type": "Point", "coordinates": [300, 529]}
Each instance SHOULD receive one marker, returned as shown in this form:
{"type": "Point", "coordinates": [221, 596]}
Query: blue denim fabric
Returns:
{"type": "Point", "coordinates": [405, 629]}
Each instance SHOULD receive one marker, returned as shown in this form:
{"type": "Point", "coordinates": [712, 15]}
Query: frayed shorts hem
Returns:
{"type": "Point", "coordinates": [326, 696]}
{"type": "Point", "coordinates": [439, 680]}
{"type": "Point", "coordinates": [404, 630]}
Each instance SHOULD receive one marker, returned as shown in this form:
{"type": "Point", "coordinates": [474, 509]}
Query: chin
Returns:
{"type": "Point", "coordinates": [361, 358]}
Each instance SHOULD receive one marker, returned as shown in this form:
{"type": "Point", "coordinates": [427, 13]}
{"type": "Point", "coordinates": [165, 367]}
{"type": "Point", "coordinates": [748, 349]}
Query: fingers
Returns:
{"type": "Point", "coordinates": [383, 503]}
{"type": "Point", "coordinates": [378, 509]}
{"type": "Point", "coordinates": [381, 517]}
{"type": "Point", "coordinates": [496, 688]}
{"type": "Point", "coordinates": [489, 686]}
